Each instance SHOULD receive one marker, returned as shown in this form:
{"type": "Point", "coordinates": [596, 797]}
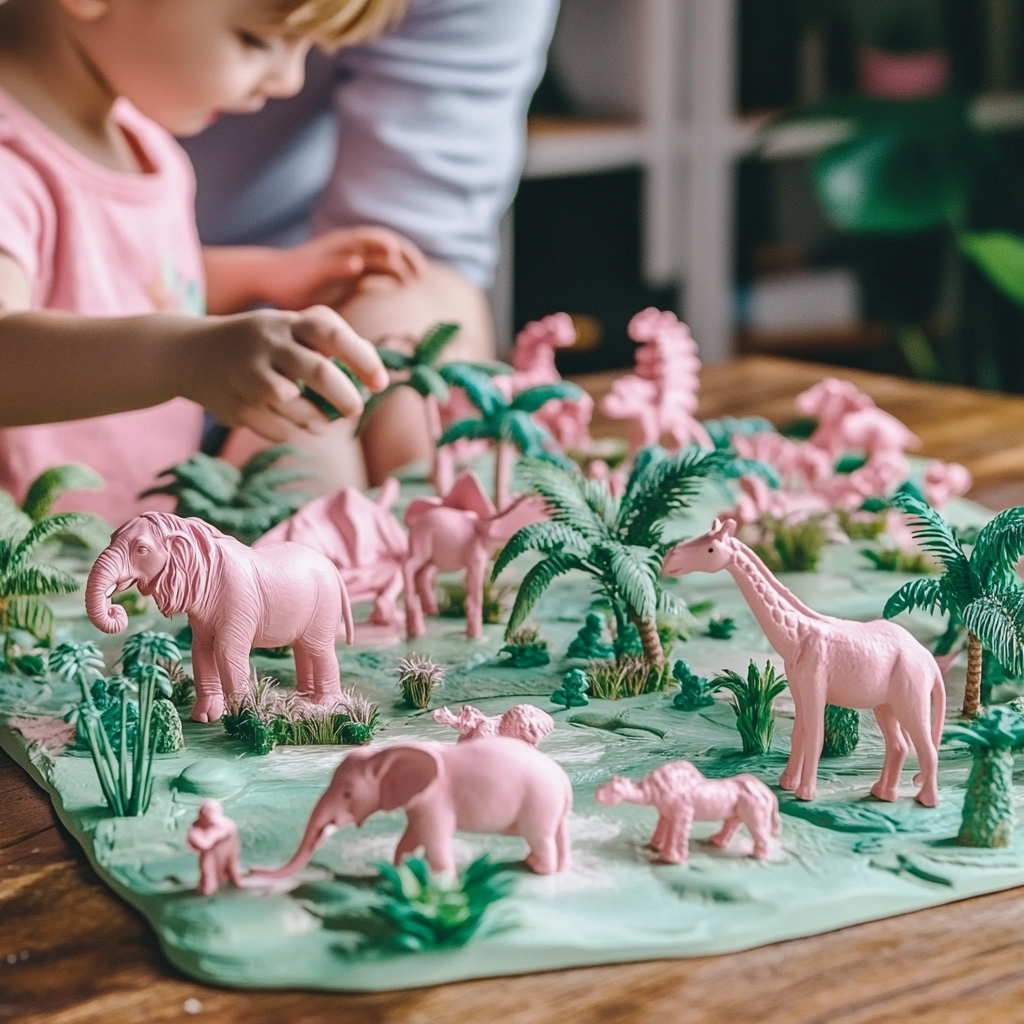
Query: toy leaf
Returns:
{"type": "Point", "coordinates": [468, 429]}
{"type": "Point", "coordinates": [999, 255]}
{"type": "Point", "coordinates": [535, 582]}
{"type": "Point", "coordinates": [997, 620]}
{"type": "Point", "coordinates": [936, 537]}
{"type": "Point", "coordinates": [480, 389]}
{"type": "Point", "coordinates": [29, 613]}
{"type": "Point", "coordinates": [394, 360]}
{"type": "Point", "coordinates": [264, 460]}
{"type": "Point", "coordinates": [999, 547]}
{"type": "Point", "coordinates": [427, 381]}
{"type": "Point", "coordinates": [925, 594]}
{"type": "Point", "coordinates": [535, 398]}
{"type": "Point", "coordinates": [563, 494]}
{"type": "Point", "coordinates": [51, 484]}
{"type": "Point", "coordinates": [549, 537]}
{"type": "Point", "coordinates": [31, 580]}
{"type": "Point", "coordinates": [434, 342]}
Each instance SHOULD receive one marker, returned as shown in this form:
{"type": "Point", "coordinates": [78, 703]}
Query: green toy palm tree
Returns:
{"type": "Point", "coordinates": [150, 648]}
{"type": "Point", "coordinates": [421, 372]}
{"type": "Point", "coordinates": [988, 804]}
{"type": "Point", "coordinates": [244, 503]}
{"type": "Point", "coordinates": [16, 520]}
{"type": "Point", "coordinates": [618, 541]}
{"type": "Point", "coordinates": [981, 592]}
{"type": "Point", "coordinates": [507, 424]}
{"type": "Point", "coordinates": [23, 582]}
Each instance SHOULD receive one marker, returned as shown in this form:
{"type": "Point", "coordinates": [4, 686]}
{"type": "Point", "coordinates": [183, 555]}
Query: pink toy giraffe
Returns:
{"type": "Point", "coordinates": [682, 795]}
{"type": "Point", "coordinates": [214, 836]}
{"type": "Point", "coordinates": [521, 722]}
{"type": "Point", "coordinates": [661, 399]}
{"type": "Point", "coordinates": [876, 665]}
{"type": "Point", "coordinates": [460, 531]}
{"type": "Point", "coordinates": [361, 537]}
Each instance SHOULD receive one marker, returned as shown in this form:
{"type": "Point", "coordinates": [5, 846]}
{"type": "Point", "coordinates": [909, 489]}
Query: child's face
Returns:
{"type": "Point", "coordinates": [185, 62]}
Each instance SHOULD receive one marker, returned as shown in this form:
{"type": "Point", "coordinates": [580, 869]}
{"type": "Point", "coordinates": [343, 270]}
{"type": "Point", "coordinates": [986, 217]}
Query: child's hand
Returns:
{"type": "Point", "coordinates": [327, 269]}
{"type": "Point", "coordinates": [245, 369]}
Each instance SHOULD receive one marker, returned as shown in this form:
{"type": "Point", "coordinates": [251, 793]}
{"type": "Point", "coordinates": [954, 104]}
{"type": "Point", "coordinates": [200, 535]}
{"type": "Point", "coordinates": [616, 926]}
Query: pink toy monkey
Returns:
{"type": "Point", "coordinates": [522, 722]}
{"type": "Point", "coordinates": [681, 795]}
{"type": "Point", "coordinates": [214, 836]}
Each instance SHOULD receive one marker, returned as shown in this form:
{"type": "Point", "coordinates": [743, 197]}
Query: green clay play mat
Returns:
{"type": "Point", "coordinates": [841, 859]}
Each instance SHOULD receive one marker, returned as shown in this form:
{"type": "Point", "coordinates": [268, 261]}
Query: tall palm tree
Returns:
{"type": "Point", "coordinates": [620, 542]}
{"type": "Point", "coordinates": [244, 503]}
{"type": "Point", "coordinates": [421, 372]}
{"type": "Point", "coordinates": [507, 423]}
{"type": "Point", "coordinates": [23, 581]}
{"type": "Point", "coordinates": [982, 592]}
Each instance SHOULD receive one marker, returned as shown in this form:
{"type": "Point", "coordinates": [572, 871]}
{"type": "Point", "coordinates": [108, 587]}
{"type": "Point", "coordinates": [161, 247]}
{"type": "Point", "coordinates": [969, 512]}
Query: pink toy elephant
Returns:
{"type": "Point", "coordinates": [361, 537]}
{"type": "Point", "coordinates": [496, 785]}
{"type": "Point", "coordinates": [214, 836]}
{"type": "Point", "coordinates": [682, 795]}
{"type": "Point", "coordinates": [522, 722]}
{"type": "Point", "coordinates": [876, 665]}
{"type": "Point", "coordinates": [236, 598]}
{"type": "Point", "coordinates": [459, 531]}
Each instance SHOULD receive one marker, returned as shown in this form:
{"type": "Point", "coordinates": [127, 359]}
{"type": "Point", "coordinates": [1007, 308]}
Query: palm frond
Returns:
{"type": "Point", "coordinates": [535, 398]}
{"type": "Point", "coordinates": [997, 620]}
{"type": "Point", "coordinates": [14, 523]}
{"type": "Point", "coordinates": [634, 582]}
{"type": "Point", "coordinates": [77, 662]}
{"type": "Point", "coordinates": [928, 594]}
{"type": "Point", "coordinates": [597, 495]}
{"type": "Point", "coordinates": [481, 391]}
{"type": "Point", "coordinates": [548, 537]}
{"type": "Point", "coordinates": [263, 461]}
{"type": "Point", "coordinates": [211, 477]}
{"type": "Point", "coordinates": [434, 342]}
{"type": "Point", "coordinates": [29, 613]}
{"type": "Point", "coordinates": [468, 429]}
{"type": "Point", "coordinates": [993, 728]}
{"type": "Point", "coordinates": [426, 381]}
{"type": "Point", "coordinates": [40, 532]}
{"type": "Point", "coordinates": [535, 582]}
{"type": "Point", "coordinates": [566, 501]}
{"type": "Point", "coordinates": [37, 579]}
{"type": "Point", "coordinates": [937, 538]}
{"type": "Point", "coordinates": [999, 547]}
{"type": "Point", "coordinates": [52, 483]}
{"type": "Point", "coordinates": [394, 360]}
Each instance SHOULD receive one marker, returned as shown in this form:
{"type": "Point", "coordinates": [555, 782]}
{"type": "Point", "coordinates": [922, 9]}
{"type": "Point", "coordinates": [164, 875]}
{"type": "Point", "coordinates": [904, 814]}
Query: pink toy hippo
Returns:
{"type": "Point", "coordinates": [236, 598]}
{"type": "Point", "coordinates": [681, 795]}
{"type": "Point", "coordinates": [876, 665]}
{"type": "Point", "coordinates": [460, 531]}
{"type": "Point", "coordinates": [522, 722]}
{"type": "Point", "coordinates": [361, 537]}
{"type": "Point", "coordinates": [660, 400]}
{"type": "Point", "coordinates": [214, 836]}
{"type": "Point", "coordinates": [496, 785]}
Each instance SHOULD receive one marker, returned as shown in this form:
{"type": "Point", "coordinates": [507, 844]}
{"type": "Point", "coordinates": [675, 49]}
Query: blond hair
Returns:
{"type": "Point", "coordinates": [339, 22]}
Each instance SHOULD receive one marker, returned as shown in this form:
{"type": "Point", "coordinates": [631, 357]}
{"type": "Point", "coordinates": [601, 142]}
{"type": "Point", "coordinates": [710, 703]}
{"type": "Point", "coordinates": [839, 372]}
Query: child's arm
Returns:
{"type": "Point", "coordinates": [243, 368]}
{"type": "Point", "coordinates": [325, 270]}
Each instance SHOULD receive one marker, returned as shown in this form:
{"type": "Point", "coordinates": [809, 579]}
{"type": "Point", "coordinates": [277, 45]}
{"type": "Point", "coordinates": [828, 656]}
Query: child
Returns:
{"type": "Point", "coordinates": [102, 279]}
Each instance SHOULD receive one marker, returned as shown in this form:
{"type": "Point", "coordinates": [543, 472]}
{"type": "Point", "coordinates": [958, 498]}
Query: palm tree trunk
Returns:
{"type": "Point", "coordinates": [988, 804]}
{"type": "Point", "coordinates": [502, 473]}
{"type": "Point", "coordinates": [972, 694]}
{"type": "Point", "coordinates": [441, 467]}
{"type": "Point", "coordinates": [653, 651]}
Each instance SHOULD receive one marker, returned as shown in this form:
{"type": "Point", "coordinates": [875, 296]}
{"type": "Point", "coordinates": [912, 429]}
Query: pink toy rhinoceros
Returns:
{"type": "Point", "coordinates": [681, 795]}
{"type": "Point", "coordinates": [361, 537]}
{"type": "Point", "coordinates": [460, 531]}
{"type": "Point", "coordinates": [522, 722]}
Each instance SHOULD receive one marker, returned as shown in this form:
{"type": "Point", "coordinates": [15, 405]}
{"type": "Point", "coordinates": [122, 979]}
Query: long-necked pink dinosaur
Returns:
{"type": "Point", "coordinates": [876, 665]}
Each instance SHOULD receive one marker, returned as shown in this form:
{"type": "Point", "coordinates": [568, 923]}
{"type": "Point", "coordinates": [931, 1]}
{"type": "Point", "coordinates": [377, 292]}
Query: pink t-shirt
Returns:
{"type": "Point", "coordinates": [101, 243]}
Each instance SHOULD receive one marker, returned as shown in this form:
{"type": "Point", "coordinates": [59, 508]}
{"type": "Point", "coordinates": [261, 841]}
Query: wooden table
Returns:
{"type": "Point", "coordinates": [71, 953]}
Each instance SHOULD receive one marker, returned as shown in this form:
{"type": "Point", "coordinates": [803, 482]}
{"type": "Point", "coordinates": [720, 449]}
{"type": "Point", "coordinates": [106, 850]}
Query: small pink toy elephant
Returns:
{"type": "Point", "coordinates": [214, 836]}
{"type": "Point", "coordinates": [497, 785]}
{"type": "Point", "coordinates": [681, 795]}
{"type": "Point", "coordinates": [236, 598]}
{"type": "Point", "coordinates": [522, 722]}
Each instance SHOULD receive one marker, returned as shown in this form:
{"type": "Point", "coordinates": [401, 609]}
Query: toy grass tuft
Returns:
{"type": "Point", "coordinates": [451, 601]}
{"type": "Point", "coordinates": [752, 704]}
{"type": "Point", "coordinates": [418, 677]}
{"type": "Point", "coordinates": [894, 560]}
{"type": "Point", "coordinates": [791, 547]}
{"type": "Point", "coordinates": [842, 731]}
{"type": "Point", "coordinates": [427, 912]}
{"type": "Point", "coordinates": [627, 677]}
{"type": "Point", "coordinates": [721, 628]}
{"type": "Point", "coordinates": [526, 649]}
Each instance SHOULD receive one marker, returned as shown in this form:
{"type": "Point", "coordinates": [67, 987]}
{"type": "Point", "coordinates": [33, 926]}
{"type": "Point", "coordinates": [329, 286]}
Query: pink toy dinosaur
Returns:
{"type": "Point", "coordinates": [361, 537]}
{"type": "Point", "coordinates": [660, 400]}
{"type": "Point", "coordinates": [876, 665]}
{"type": "Point", "coordinates": [214, 836]}
{"type": "Point", "coordinates": [522, 722]}
{"type": "Point", "coordinates": [236, 598]}
{"type": "Point", "coordinates": [460, 531]}
{"type": "Point", "coordinates": [495, 785]}
{"type": "Point", "coordinates": [682, 795]}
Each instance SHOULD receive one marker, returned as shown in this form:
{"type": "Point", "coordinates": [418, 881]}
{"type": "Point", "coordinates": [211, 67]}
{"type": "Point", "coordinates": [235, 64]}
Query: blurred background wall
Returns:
{"type": "Point", "coordinates": [840, 180]}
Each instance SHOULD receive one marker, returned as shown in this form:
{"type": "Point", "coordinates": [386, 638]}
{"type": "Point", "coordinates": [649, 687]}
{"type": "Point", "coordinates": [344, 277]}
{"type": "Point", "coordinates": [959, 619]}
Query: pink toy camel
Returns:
{"type": "Point", "coordinates": [660, 400]}
{"type": "Point", "coordinates": [497, 785]}
{"type": "Point", "coordinates": [460, 531]}
{"type": "Point", "coordinates": [214, 836]}
{"type": "Point", "coordinates": [361, 537]}
{"type": "Point", "coordinates": [876, 665]}
{"type": "Point", "coordinates": [236, 598]}
{"type": "Point", "coordinates": [522, 722]}
{"type": "Point", "coordinates": [682, 795]}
